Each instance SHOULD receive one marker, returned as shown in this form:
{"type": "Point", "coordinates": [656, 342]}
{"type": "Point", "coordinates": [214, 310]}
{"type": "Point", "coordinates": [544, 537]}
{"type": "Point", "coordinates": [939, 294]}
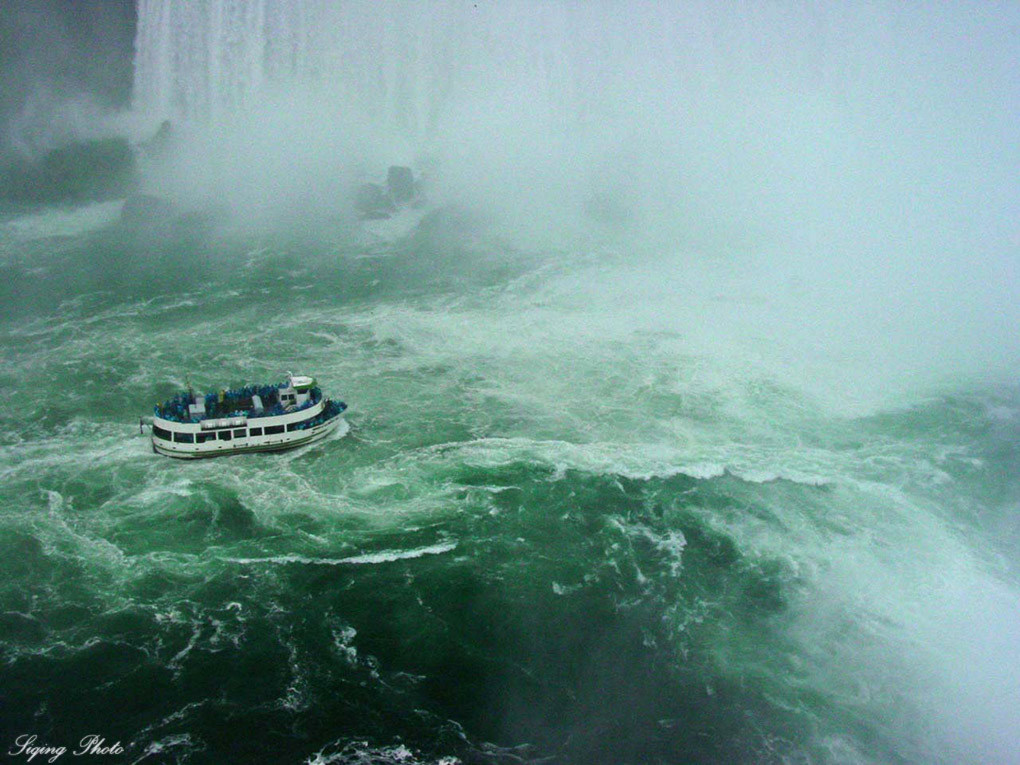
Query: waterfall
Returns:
{"type": "Point", "coordinates": [394, 64]}
{"type": "Point", "coordinates": [406, 67]}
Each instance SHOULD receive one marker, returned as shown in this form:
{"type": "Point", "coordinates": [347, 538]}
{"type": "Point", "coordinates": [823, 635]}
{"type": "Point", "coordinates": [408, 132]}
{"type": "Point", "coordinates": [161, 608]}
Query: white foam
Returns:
{"type": "Point", "coordinates": [383, 556]}
{"type": "Point", "coordinates": [362, 753]}
{"type": "Point", "coordinates": [63, 222]}
{"type": "Point", "coordinates": [167, 742]}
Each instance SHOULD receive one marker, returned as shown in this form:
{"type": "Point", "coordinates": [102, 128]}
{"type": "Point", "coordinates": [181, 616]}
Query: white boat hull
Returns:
{"type": "Point", "coordinates": [247, 443]}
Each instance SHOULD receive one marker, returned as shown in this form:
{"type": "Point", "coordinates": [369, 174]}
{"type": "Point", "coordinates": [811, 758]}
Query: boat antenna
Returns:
{"type": "Point", "coordinates": [187, 379]}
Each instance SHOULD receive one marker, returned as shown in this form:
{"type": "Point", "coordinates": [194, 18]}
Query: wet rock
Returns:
{"type": "Point", "coordinates": [162, 143]}
{"type": "Point", "coordinates": [400, 184]}
{"type": "Point", "coordinates": [372, 202]}
{"type": "Point", "coordinates": [76, 172]}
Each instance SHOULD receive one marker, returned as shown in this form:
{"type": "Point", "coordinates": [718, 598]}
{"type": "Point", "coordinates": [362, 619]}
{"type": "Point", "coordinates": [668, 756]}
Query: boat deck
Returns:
{"type": "Point", "coordinates": [250, 401]}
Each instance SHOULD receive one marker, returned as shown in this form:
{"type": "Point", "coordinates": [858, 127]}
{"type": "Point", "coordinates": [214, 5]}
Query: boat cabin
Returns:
{"type": "Point", "coordinates": [250, 418]}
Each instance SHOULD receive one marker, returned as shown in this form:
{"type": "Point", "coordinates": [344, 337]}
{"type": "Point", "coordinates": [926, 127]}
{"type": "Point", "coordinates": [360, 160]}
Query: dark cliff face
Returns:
{"type": "Point", "coordinates": [54, 51]}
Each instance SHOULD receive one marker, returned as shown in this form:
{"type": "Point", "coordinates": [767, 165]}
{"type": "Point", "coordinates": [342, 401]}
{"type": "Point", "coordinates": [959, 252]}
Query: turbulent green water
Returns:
{"type": "Point", "coordinates": [572, 520]}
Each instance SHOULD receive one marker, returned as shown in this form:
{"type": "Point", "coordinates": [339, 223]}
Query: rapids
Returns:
{"type": "Point", "coordinates": [727, 472]}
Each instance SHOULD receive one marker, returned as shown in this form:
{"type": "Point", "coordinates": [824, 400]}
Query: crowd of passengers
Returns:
{"type": "Point", "coordinates": [236, 402]}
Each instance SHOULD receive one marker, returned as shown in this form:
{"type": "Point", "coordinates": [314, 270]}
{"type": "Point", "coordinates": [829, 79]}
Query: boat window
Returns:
{"type": "Point", "coordinates": [273, 429]}
{"type": "Point", "coordinates": [159, 432]}
{"type": "Point", "coordinates": [239, 433]}
{"type": "Point", "coordinates": [184, 438]}
{"type": "Point", "coordinates": [255, 431]}
{"type": "Point", "coordinates": [224, 435]}
{"type": "Point", "coordinates": [201, 438]}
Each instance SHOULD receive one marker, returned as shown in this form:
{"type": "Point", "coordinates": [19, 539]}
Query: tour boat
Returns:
{"type": "Point", "coordinates": [255, 418]}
